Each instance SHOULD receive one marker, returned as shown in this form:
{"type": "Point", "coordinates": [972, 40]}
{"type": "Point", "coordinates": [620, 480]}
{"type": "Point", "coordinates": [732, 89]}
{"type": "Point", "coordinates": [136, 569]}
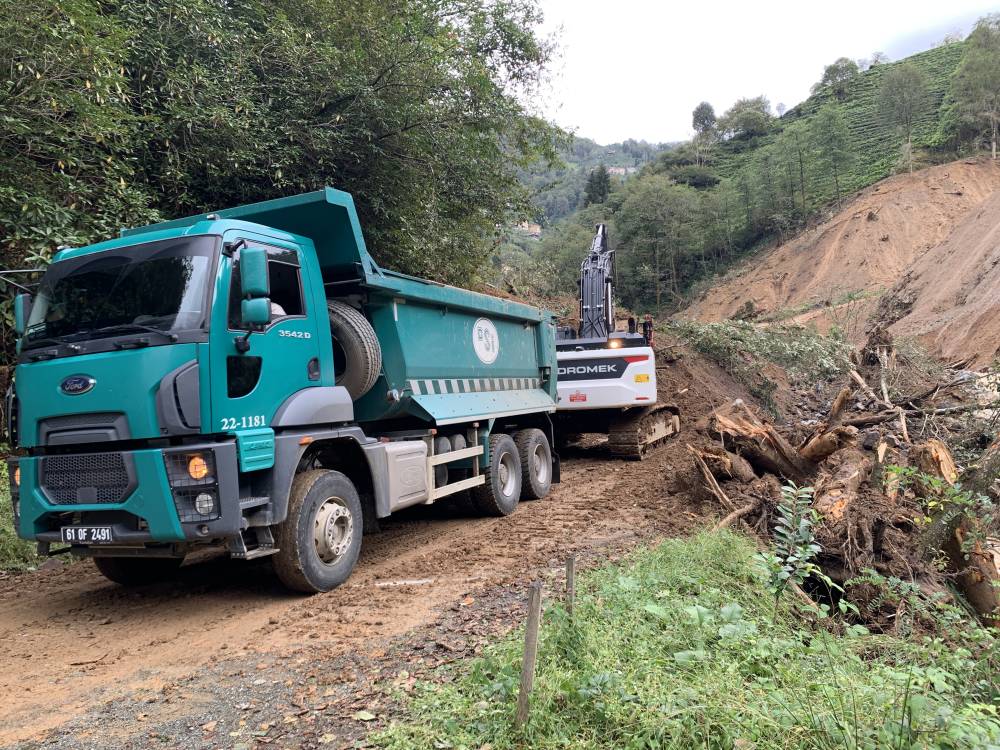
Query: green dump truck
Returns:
{"type": "Point", "coordinates": [252, 379]}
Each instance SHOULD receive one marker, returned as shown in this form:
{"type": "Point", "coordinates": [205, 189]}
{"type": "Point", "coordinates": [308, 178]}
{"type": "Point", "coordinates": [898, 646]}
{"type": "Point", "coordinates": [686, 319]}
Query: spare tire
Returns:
{"type": "Point", "coordinates": [359, 359]}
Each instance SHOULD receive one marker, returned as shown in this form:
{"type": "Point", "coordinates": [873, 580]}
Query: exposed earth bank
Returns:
{"type": "Point", "coordinates": [930, 238]}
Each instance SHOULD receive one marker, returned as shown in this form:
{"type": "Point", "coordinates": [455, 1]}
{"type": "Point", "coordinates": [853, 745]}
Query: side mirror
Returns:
{"type": "Point", "coordinates": [256, 312]}
{"type": "Point", "coordinates": [22, 309]}
{"type": "Point", "coordinates": [253, 272]}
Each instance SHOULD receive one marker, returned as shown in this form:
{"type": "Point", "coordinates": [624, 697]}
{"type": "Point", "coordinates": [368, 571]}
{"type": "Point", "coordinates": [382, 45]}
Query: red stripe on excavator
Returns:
{"type": "Point", "coordinates": [636, 358]}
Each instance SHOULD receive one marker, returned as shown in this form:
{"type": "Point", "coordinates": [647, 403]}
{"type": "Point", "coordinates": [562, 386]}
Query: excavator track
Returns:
{"type": "Point", "coordinates": [639, 430]}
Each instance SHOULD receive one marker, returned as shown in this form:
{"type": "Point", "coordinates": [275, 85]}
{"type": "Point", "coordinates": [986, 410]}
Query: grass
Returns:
{"type": "Point", "coordinates": [681, 646]}
{"type": "Point", "coordinates": [15, 554]}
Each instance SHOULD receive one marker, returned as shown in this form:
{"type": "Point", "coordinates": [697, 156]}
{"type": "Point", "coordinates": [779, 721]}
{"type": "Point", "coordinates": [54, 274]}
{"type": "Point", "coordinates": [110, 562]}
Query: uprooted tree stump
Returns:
{"type": "Point", "coordinates": [760, 443]}
{"type": "Point", "coordinates": [957, 535]}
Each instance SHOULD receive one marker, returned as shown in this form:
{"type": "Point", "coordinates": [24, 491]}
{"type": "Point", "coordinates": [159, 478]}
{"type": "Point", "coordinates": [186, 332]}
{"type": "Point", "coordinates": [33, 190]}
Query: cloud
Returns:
{"type": "Point", "coordinates": [632, 69]}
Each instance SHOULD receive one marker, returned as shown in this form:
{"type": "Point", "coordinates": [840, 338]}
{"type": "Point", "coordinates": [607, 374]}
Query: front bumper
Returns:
{"type": "Point", "coordinates": [153, 508]}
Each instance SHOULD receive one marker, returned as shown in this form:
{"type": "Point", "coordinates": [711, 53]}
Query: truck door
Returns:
{"type": "Point", "coordinates": [248, 387]}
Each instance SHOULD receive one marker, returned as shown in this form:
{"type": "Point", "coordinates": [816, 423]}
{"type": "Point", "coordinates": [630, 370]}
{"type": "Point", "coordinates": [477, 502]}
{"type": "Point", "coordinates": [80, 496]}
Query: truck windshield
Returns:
{"type": "Point", "coordinates": [155, 287]}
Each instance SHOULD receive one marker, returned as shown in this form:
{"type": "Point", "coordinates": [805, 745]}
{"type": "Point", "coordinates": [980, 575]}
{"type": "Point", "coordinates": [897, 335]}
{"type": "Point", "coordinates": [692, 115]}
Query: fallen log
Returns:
{"type": "Point", "coordinates": [837, 489]}
{"type": "Point", "coordinates": [976, 572]}
{"type": "Point", "coordinates": [736, 515]}
{"type": "Point", "coordinates": [711, 484]}
{"type": "Point", "coordinates": [761, 444]}
{"type": "Point", "coordinates": [839, 407]}
{"type": "Point", "coordinates": [820, 446]}
{"type": "Point", "coordinates": [725, 465]}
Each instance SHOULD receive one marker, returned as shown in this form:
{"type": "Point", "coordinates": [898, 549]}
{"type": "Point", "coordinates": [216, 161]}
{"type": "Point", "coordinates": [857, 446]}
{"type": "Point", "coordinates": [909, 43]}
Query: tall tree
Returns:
{"type": "Point", "coordinates": [902, 98]}
{"type": "Point", "coordinates": [703, 118]}
{"type": "Point", "coordinates": [832, 144]}
{"type": "Point", "coordinates": [656, 235]}
{"type": "Point", "coordinates": [598, 186]}
{"type": "Point", "coordinates": [836, 76]}
{"type": "Point", "coordinates": [124, 111]}
{"type": "Point", "coordinates": [747, 118]}
{"type": "Point", "coordinates": [976, 85]}
{"type": "Point", "coordinates": [703, 121]}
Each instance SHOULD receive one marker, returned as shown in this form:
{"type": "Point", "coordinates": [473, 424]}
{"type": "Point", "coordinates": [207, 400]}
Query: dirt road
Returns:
{"type": "Point", "coordinates": [75, 644]}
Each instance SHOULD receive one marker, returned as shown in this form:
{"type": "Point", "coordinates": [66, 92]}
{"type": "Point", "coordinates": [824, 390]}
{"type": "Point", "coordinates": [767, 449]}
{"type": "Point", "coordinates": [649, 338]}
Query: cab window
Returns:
{"type": "Point", "coordinates": [284, 279]}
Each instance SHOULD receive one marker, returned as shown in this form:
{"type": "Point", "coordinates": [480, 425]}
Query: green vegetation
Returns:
{"type": "Point", "coordinates": [683, 646]}
{"type": "Point", "coordinates": [15, 554]}
{"type": "Point", "coordinates": [744, 350]}
{"type": "Point", "coordinates": [117, 114]}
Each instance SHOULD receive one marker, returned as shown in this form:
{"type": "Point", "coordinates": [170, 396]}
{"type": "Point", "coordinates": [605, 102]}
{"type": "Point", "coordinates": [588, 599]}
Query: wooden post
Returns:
{"type": "Point", "coordinates": [570, 584]}
{"type": "Point", "coordinates": [530, 652]}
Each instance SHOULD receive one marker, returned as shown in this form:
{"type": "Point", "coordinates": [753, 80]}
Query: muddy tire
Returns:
{"type": "Point", "coordinates": [502, 490]}
{"type": "Point", "coordinates": [320, 539]}
{"type": "Point", "coordinates": [536, 463]}
{"type": "Point", "coordinates": [359, 352]}
{"type": "Point", "coordinates": [138, 571]}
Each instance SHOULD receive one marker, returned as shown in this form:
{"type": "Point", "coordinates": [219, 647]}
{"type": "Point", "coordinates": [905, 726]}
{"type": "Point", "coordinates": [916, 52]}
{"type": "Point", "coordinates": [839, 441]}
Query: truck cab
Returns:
{"type": "Point", "coordinates": [252, 379]}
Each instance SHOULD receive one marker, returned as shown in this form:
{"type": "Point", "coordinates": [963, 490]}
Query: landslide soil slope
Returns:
{"type": "Point", "coordinates": [88, 664]}
{"type": "Point", "coordinates": [868, 246]}
{"type": "Point", "coordinates": [951, 294]}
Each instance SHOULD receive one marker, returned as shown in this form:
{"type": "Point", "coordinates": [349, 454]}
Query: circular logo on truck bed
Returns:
{"type": "Point", "coordinates": [485, 341]}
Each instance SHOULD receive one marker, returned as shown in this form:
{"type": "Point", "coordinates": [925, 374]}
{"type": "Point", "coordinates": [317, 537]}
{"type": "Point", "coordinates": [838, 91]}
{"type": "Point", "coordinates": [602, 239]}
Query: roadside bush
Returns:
{"type": "Point", "coordinates": [15, 554]}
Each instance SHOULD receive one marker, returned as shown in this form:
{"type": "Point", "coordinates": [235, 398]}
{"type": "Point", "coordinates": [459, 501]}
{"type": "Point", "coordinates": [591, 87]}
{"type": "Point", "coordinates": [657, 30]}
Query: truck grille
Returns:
{"type": "Point", "coordinates": [86, 478]}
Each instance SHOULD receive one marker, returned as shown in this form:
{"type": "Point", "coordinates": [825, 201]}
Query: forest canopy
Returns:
{"type": "Point", "coordinates": [123, 113]}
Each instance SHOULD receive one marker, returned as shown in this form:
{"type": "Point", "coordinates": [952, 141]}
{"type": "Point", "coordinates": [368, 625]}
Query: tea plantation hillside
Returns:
{"type": "Point", "coordinates": [874, 142]}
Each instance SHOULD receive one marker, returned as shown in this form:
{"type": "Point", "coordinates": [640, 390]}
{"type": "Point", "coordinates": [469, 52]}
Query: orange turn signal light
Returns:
{"type": "Point", "coordinates": [197, 467]}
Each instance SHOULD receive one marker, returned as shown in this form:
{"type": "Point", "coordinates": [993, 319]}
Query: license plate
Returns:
{"type": "Point", "coordinates": [87, 534]}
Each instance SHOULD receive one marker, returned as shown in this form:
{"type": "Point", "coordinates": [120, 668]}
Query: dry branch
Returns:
{"type": "Point", "coordinates": [736, 515]}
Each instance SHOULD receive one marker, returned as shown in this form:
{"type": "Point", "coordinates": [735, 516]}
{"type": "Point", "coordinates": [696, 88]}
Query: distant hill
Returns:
{"type": "Point", "coordinates": [557, 191]}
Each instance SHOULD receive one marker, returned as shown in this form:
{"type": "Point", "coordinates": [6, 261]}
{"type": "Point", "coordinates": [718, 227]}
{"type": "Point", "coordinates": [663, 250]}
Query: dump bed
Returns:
{"type": "Point", "coordinates": [449, 355]}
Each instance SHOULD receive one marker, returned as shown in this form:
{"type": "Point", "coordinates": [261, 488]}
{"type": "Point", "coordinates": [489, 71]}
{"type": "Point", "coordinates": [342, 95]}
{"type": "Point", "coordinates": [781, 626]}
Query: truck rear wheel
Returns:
{"type": "Point", "coordinates": [320, 539]}
{"type": "Point", "coordinates": [137, 571]}
{"type": "Point", "coordinates": [502, 490]}
{"type": "Point", "coordinates": [360, 354]}
{"type": "Point", "coordinates": [536, 463]}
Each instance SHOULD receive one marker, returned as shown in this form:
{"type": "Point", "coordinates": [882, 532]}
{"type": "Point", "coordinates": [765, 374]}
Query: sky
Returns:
{"type": "Point", "coordinates": [634, 69]}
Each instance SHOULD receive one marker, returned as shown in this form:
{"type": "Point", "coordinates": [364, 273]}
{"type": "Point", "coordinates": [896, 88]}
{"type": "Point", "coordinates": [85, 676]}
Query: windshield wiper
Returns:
{"type": "Point", "coordinates": [172, 337]}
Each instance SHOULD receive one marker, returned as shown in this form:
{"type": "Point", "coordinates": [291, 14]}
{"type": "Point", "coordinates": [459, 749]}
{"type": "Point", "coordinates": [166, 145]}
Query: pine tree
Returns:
{"type": "Point", "coordinates": [598, 186]}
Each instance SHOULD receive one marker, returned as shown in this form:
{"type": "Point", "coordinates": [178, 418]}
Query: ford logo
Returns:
{"type": "Point", "coordinates": [74, 385]}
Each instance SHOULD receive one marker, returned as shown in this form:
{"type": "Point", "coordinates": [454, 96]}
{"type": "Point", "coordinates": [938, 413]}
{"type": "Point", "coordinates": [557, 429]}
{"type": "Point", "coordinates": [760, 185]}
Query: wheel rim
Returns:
{"type": "Point", "coordinates": [540, 464]}
{"type": "Point", "coordinates": [508, 474]}
{"type": "Point", "coordinates": [333, 530]}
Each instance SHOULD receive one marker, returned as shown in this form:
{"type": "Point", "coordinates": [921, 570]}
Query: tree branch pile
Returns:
{"type": "Point", "coordinates": [884, 502]}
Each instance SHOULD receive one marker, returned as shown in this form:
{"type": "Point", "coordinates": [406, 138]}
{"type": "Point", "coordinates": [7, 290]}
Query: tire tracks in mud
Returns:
{"type": "Point", "coordinates": [75, 643]}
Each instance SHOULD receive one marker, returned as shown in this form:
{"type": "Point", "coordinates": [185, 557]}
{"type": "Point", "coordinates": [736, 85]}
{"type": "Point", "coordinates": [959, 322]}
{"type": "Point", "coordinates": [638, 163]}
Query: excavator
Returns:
{"type": "Point", "coordinates": [607, 378]}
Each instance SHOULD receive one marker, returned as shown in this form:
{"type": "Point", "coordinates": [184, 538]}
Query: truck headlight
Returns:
{"type": "Point", "coordinates": [204, 503]}
{"type": "Point", "coordinates": [194, 485]}
{"type": "Point", "coordinates": [17, 476]}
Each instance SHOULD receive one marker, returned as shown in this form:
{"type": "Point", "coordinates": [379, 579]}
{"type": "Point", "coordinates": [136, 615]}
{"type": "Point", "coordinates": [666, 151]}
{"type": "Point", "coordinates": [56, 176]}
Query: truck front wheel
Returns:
{"type": "Point", "coordinates": [499, 495]}
{"type": "Point", "coordinates": [320, 539]}
{"type": "Point", "coordinates": [137, 571]}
